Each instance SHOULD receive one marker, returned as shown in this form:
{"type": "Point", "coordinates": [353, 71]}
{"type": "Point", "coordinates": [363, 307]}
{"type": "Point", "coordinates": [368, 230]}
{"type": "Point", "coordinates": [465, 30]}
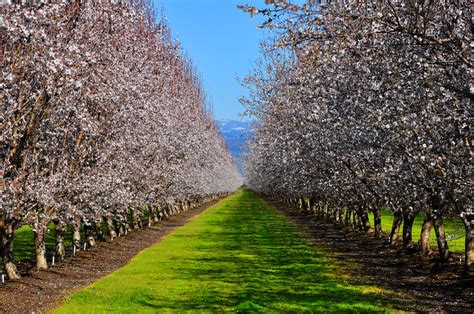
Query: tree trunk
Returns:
{"type": "Point", "coordinates": [120, 226]}
{"type": "Point", "coordinates": [39, 231]}
{"type": "Point", "coordinates": [468, 219]}
{"type": "Point", "coordinates": [76, 233]}
{"type": "Point", "coordinates": [60, 233]}
{"type": "Point", "coordinates": [156, 218]}
{"type": "Point", "coordinates": [425, 235]}
{"type": "Point", "coordinates": [347, 219]}
{"type": "Point", "coordinates": [355, 219]}
{"type": "Point", "coordinates": [150, 216]}
{"type": "Point", "coordinates": [377, 222]}
{"type": "Point", "coordinates": [125, 221]}
{"type": "Point", "coordinates": [333, 213]}
{"type": "Point", "coordinates": [397, 221]}
{"type": "Point", "coordinates": [311, 208]}
{"type": "Point", "coordinates": [98, 230]}
{"type": "Point", "coordinates": [441, 237]}
{"type": "Point", "coordinates": [408, 219]}
{"type": "Point", "coordinates": [7, 236]}
{"type": "Point", "coordinates": [365, 222]}
{"type": "Point", "coordinates": [88, 232]}
{"type": "Point", "coordinates": [110, 228]}
{"type": "Point", "coordinates": [134, 217]}
{"type": "Point", "coordinates": [139, 219]}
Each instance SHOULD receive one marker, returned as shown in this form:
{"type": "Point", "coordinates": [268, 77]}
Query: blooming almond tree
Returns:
{"type": "Point", "coordinates": [102, 118]}
{"type": "Point", "coordinates": [367, 105]}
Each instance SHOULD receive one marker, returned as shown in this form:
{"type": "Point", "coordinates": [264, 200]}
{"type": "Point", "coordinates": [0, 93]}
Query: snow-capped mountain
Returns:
{"type": "Point", "coordinates": [235, 133]}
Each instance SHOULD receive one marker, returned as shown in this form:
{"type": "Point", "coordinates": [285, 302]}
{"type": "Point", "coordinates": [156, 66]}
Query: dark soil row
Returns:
{"type": "Point", "coordinates": [422, 285]}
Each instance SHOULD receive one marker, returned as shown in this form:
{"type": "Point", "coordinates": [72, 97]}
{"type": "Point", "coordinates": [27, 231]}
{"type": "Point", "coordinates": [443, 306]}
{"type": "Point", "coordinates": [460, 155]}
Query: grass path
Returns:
{"type": "Point", "coordinates": [238, 255]}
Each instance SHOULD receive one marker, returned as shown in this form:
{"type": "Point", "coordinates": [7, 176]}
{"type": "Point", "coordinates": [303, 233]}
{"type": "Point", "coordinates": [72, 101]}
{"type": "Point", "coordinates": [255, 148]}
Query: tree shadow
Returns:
{"type": "Point", "coordinates": [251, 259]}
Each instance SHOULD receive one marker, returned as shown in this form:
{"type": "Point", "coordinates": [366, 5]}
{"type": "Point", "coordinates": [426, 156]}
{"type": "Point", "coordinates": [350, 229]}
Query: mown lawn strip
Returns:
{"type": "Point", "coordinates": [239, 255]}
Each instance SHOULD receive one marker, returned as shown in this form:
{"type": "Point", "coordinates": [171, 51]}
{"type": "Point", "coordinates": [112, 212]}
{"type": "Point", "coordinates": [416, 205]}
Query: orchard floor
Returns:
{"type": "Point", "coordinates": [243, 254]}
{"type": "Point", "coordinates": [39, 292]}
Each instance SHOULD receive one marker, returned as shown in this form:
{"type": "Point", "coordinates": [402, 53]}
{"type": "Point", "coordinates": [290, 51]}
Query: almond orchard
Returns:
{"type": "Point", "coordinates": [364, 106]}
{"type": "Point", "coordinates": [102, 118]}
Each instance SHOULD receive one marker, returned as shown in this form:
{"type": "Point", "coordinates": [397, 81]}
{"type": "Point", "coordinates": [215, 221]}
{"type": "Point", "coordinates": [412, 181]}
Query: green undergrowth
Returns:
{"type": "Point", "coordinates": [24, 243]}
{"type": "Point", "coordinates": [239, 255]}
{"type": "Point", "coordinates": [454, 229]}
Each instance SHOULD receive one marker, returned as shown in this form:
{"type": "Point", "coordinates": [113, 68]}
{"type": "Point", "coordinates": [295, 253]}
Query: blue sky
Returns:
{"type": "Point", "coordinates": [223, 43]}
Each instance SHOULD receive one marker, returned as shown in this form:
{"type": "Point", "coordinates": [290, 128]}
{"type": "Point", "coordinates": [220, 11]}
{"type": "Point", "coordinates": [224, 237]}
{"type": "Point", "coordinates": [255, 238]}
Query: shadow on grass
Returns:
{"type": "Point", "coordinates": [240, 256]}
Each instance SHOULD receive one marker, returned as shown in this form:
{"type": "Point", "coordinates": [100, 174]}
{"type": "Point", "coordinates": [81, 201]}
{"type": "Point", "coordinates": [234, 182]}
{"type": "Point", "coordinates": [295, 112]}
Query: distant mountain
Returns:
{"type": "Point", "coordinates": [235, 134]}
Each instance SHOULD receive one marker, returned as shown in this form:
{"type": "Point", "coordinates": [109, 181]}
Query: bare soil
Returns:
{"type": "Point", "coordinates": [418, 285]}
{"type": "Point", "coordinates": [41, 291]}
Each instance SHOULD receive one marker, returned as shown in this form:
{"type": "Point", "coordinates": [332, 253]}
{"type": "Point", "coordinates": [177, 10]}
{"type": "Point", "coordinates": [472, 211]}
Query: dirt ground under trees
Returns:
{"type": "Point", "coordinates": [420, 285]}
{"type": "Point", "coordinates": [40, 292]}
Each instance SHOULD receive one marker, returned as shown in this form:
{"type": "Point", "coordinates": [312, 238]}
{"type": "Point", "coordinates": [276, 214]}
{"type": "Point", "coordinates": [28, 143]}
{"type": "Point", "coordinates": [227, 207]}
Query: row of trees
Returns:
{"type": "Point", "coordinates": [102, 116]}
{"type": "Point", "coordinates": [365, 105]}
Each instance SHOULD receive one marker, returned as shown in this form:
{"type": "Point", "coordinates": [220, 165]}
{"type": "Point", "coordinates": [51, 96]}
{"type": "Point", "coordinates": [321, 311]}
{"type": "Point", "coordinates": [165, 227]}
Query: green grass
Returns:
{"type": "Point", "coordinates": [239, 255]}
{"type": "Point", "coordinates": [24, 243]}
{"type": "Point", "coordinates": [454, 229]}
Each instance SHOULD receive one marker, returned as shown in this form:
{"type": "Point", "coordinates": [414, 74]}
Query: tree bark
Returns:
{"type": "Point", "coordinates": [134, 218]}
{"type": "Point", "coordinates": [125, 220]}
{"type": "Point", "coordinates": [61, 229]}
{"type": "Point", "coordinates": [408, 219]}
{"type": "Point", "coordinates": [156, 218]}
{"type": "Point", "coordinates": [377, 222]}
{"type": "Point", "coordinates": [397, 221]}
{"type": "Point", "coordinates": [150, 216]}
{"type": "Point", "coordinates": [76, 233]}
{"type": "Point", "coordinates": [425, 235]}
{"type": "Point", "coordinates": [333, 213]}
{"type": "Point", "coordinates": [120, 226]}
{"type": "Point", "coordinates": [39, 231]}
{"type": "Point", "coordinates": [312, 202]}
{"type": "Point", "coordinates": [7, 235]}
{"type": "Point", "coordinates": [441, 237]}
{"type": "Point", "coordinates": [355, 219]}
{"type": "Point", "coordinates": [98, 230]}
{"type": "Point", "coordinates": [110, 228]}
{"type": "Point", "coordinates": [139, 219]}
{"type": "Point", "coordinates": [365, 222]}
{"type": "Point", "coordinates": [88, 233]}
{"type": "Point", "coordinates": [468, 219]}
{"type": "Point", "coordinates": [347, 217]}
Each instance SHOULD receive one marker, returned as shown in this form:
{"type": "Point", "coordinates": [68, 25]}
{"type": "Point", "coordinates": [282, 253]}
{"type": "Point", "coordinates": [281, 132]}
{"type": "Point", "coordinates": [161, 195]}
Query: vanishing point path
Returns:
{"type": "Point", "coordinates": [238, 255]}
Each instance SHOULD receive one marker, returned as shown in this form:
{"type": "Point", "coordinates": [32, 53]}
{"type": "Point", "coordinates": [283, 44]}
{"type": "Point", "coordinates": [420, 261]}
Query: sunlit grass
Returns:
{"type": "Point", "coordinates": [454, 229]}
{"type": "Point", "coordinates": [239, 255]}
{"type": "Point", "coordinates": [24, 243]}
